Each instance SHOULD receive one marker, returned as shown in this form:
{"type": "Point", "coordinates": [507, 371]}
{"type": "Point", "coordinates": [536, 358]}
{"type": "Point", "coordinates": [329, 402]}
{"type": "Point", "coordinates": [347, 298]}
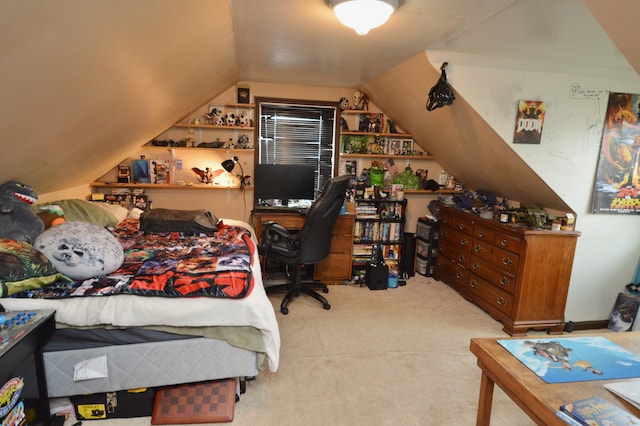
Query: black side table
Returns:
{"type": "Point", "coordinates": [23, 387]}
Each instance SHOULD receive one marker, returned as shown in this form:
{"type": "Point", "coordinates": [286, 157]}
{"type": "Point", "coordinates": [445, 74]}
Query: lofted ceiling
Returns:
{"type": "Point", "coordinates": [86, 83]}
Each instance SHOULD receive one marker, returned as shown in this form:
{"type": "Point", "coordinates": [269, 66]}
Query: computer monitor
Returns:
{"type": "Point", "coordinates": [279, 183]}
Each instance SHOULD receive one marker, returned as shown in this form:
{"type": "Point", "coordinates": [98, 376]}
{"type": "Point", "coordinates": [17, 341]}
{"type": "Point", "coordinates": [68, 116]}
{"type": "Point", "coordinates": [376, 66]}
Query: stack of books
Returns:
{"type": "Point", "coordinates": [595, 411]}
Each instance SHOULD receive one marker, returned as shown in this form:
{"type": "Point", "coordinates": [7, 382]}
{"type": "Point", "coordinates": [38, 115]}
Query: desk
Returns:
{"type": "Point", "coordinates": [535, 397]}
{"type": "Point", "coordinates": [336, 267]}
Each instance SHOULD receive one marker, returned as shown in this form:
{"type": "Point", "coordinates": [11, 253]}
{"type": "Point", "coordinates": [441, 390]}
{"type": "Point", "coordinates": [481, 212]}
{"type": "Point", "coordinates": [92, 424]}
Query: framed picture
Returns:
{"type": "Point", "coordinates": [243, 94]}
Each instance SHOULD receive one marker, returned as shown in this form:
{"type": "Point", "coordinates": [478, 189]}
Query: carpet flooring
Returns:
{"type": "Point", "coordinates": [387, 357]}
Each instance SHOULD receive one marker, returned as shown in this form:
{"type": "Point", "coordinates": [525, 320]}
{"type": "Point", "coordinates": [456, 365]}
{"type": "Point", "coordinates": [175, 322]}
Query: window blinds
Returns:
{"type": "Point", "coordinates": [298, 134]}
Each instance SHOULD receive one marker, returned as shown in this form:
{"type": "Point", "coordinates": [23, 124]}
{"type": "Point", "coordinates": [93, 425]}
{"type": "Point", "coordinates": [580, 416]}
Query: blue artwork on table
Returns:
{"type": "Point", "coordinates": [574, 359]}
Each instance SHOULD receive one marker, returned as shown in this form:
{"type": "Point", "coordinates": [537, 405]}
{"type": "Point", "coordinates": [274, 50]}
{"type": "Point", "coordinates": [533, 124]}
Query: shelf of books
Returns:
{"type": "Point", "coordinates": [377, 222]}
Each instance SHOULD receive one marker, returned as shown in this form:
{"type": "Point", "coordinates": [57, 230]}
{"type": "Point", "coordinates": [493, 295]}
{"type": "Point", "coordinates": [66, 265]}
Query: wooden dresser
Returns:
{"type": "Point", "coordinates": [519, 276]}
{"type": "Point", "coordinates": [336, 267]}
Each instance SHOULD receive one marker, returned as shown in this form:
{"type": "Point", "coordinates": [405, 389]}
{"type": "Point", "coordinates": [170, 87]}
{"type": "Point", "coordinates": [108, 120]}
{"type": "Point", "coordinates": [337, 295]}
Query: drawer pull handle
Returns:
{"type": "Point", "coordinates": [504, 281]}
{"type": "Point", "coordinates": [445, 219]}
{"type": "Point", "coordinates": [439, 263]}
{"type": "Point", "coordinates": [473, 284]}
{"type": "Point", "coordinates": [461, 227]}
{"type": "Point", "coordinates": [507, 261]}
{"type": "Point", "coordinates": [504, 243]}
{"type": "Point", "coordinates": [459, 275]}
{"type": "Point", "coordinates": [481, 234]}
{"type": "Point", "coordinates": [464, 242]}
{"type": "Point", "coordinates": [476, 266]}
{"type": "Point", "coordinates": [462, 258]}
{"type": "Point", "coordinates": [501, 301]}
{"type": "Point", "coordinates": [477, 249]}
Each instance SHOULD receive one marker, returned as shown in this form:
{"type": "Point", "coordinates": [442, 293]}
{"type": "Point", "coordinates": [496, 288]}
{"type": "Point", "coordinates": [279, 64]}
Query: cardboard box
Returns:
{"type": "Point", "coordinates": [112, 405]}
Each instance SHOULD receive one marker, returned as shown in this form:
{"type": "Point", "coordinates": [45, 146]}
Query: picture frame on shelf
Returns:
{"type": "Point", "coordinates": [394, 146]}
{"type": "Point", "coordinates": [243, 94]}
{"type": "Point", "coordinates": [140, 171]}
{"type": "Point", "coordinates": [407, 147]}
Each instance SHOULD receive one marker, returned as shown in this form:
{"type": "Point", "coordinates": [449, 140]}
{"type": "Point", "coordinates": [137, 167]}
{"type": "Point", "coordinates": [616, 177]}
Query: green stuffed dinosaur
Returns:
{"type": "Point", "coordinates": [17, 221]}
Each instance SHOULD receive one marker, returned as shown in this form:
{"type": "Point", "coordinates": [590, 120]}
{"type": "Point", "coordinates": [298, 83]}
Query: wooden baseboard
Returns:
{"type": "Point", "coordinates": [585, 325]}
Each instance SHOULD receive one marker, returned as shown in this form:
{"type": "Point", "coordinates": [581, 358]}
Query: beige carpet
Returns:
{"type": "Point", "coordinates": [387, 357]}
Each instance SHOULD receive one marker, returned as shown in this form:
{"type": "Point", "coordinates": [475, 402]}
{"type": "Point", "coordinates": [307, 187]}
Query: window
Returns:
{"type": "Point", "coordinates": [298, 132]}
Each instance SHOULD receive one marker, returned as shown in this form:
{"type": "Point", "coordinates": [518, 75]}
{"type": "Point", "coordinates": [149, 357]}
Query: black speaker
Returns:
{"type": "Point", "coordinates": [408, 258]}
{"type": "Point", "coordinates": [377, 277]}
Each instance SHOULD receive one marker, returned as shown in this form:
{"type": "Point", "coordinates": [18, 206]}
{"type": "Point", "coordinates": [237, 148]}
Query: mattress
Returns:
{"type": "Point", "coordinates": [90, 361]}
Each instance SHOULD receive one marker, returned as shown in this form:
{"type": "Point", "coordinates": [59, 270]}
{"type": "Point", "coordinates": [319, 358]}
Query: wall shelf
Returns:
{"type": "Point", "coordinates": [229, 150]}
{"type": "Point", "coordinates": [417, 157]}
{"type": "Point", "coordinates": [397, 135]}
{"type": "Point", "coordinates": [429, 192]}
{"type": "Point", "coordinates": [161, 186]}
{"type": "Point", "coordinates": [211, 126]}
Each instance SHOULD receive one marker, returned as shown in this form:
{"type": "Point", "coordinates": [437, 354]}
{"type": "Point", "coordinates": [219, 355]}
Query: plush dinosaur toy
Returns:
{"type": "Point", "coordinates": [17, 221]}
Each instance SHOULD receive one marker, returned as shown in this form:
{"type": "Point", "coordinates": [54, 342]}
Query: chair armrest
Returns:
{"type": "Point", "coordinates": [271, 227]}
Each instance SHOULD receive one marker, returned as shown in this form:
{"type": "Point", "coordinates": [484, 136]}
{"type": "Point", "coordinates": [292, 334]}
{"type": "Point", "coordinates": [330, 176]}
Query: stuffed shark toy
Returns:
{"type": "Point", "coordinates": [17, 221]}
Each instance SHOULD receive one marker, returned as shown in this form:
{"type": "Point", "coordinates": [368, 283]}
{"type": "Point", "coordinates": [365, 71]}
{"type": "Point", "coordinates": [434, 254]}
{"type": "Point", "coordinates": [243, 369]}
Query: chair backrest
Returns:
{"type": "Point", "coordinates": [315, 235]}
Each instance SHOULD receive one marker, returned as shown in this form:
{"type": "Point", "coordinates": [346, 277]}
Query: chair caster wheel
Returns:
{"type": "Point", "coordinates": [325, 290]}
{"type": "Point", "coordinates": [284, 311]}
{"type": "Point", "coordinates": [326, 306]}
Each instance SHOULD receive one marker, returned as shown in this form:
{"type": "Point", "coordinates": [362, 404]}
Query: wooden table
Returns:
{"type": "Point", "coordinates": [540, 400]}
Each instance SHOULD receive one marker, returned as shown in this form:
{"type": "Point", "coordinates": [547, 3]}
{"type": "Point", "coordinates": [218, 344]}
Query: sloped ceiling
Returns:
{"type": "Point", "coordinates": [85, 83]}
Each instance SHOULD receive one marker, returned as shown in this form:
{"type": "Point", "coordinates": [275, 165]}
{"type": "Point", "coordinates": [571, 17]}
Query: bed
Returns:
{"type": "Point", "coordinates": [113, 335]}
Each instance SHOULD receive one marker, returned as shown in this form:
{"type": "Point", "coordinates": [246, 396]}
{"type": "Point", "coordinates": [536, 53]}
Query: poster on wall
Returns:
{"type": "Point", "coordinates": [618, 174]}
{"type": "Point", "coordinates": [529, 121]}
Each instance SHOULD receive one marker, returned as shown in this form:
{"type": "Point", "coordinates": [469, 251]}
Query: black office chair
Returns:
{"type": "Point", "coordinates": [308, 247]}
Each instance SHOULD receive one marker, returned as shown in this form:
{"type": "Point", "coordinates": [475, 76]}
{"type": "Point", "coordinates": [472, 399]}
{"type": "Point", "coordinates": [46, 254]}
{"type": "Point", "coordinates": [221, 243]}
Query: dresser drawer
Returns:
{"type": "Point", "coordinates": [451, 273]}
{"type": "Point", "coordinates": [502, 259]}
{"type": "Point", "coordinates": [506, 241]}
{"type": "Point", "coordinates": [483, 233]}
{"type": "Point", "coordinates": [459, 223]}
{"type": "Point", "coordinates": [456, 247]}
{"type": "Point", "coordinates": [492, 295]}
{"type": "Point", "coordinates": [496, 276]}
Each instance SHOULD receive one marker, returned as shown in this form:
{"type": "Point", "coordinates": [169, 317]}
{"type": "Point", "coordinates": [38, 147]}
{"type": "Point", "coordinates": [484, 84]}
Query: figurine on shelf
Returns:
{"type": "Point", "coordinates": [206, 176]}
{"type": "Point", "coordinates": [214, 116]}
{"type": "Point", "coordinates": [344, 103]}
{"type": "Point", "coordinates": [360, 100]}
{"type": "Point", "coordinates": [230, 119]}
{"type": "Point", "coordinates": [242, 120]}
{"type": "Point", "coordinates": [243, 142]}
{"type": "Point", "coordinates": [391, 126]}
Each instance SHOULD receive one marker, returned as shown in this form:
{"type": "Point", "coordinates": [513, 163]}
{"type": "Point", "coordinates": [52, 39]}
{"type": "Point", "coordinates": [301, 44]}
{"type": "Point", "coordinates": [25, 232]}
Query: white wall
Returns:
{"type": "Point", "coordinates": [609, 248]}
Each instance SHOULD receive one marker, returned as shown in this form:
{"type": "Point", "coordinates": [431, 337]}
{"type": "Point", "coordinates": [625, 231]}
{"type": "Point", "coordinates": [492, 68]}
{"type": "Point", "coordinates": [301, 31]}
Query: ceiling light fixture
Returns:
{"type": "Point", "coordinates": [363, 15]}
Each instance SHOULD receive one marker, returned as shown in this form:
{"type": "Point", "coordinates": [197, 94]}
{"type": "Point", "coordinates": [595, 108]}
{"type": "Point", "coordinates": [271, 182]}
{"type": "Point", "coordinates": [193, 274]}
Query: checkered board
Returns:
{"type": "Point", "coordinates": [204, 402]}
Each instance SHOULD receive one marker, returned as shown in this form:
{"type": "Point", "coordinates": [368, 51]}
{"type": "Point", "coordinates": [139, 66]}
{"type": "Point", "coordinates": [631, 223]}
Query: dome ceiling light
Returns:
{"type": "Point", "coordinates": [363, 15]}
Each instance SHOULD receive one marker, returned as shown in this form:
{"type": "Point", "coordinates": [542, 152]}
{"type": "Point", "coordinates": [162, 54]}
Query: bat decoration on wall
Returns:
{"type": "Point", "coordinates": [441, 94]}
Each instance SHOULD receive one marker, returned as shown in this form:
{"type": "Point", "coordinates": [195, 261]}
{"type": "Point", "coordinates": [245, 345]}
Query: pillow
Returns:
{"type": "Point", "coordinates": [51, 215]}
{"type": "Point", "coordinates": [76, 210]}
{"type": "Point", "coordinates": [186, 221]}
{"type": "Point", "coordinates": [80, 250]}
{"type": "Point", "coordinates": [24, 268]}
{"type": "Point", "coordinates": [115, 209]}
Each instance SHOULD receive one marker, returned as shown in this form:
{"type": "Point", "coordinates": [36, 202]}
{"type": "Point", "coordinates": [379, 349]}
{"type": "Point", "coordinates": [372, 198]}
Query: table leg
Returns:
{"type": "Point", "coordinates": [485, 401]}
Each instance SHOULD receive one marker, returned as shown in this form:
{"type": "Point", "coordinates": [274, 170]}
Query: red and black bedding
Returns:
{"type": "Point", "coordinates": [170, 264]}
